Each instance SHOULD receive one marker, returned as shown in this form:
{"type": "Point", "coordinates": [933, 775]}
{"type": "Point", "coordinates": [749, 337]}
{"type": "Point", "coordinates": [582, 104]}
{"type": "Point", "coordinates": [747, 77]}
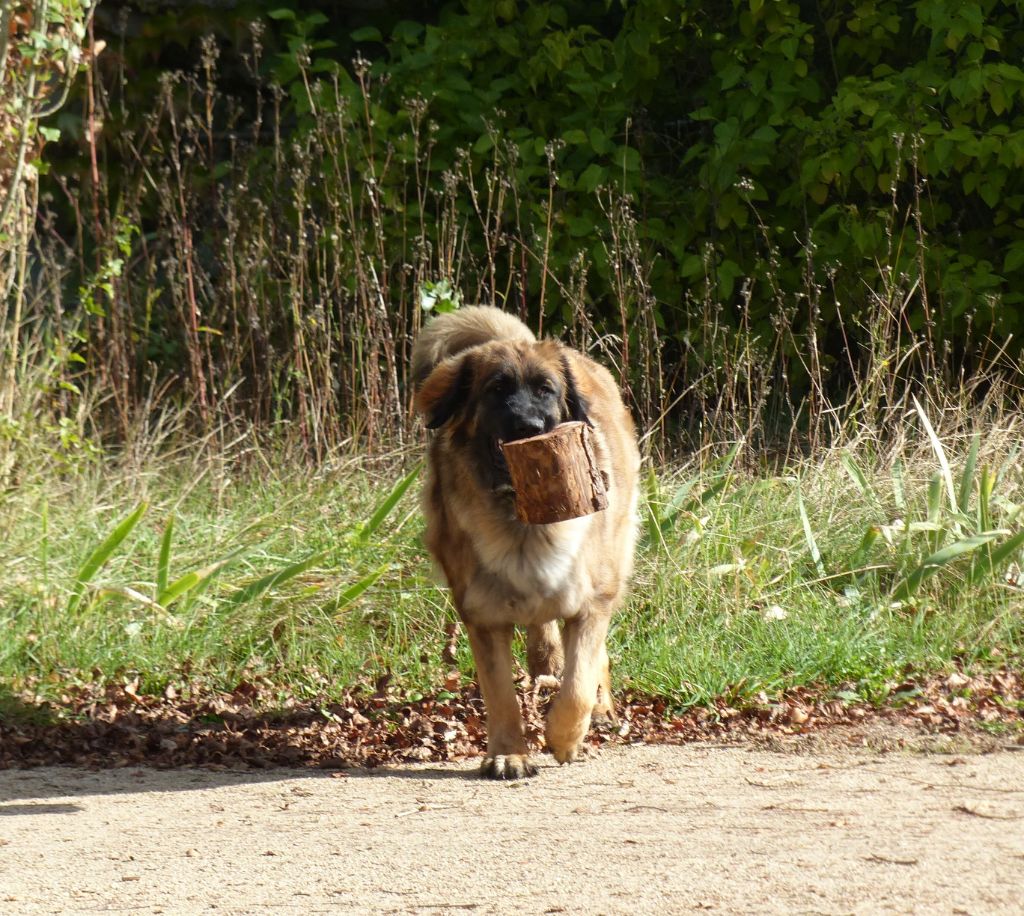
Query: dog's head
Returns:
{"type": "Point", "coordinates": [499, 392]}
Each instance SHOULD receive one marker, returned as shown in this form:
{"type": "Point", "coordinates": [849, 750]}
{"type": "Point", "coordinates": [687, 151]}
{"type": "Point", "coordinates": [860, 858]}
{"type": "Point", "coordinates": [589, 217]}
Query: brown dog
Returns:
{"type": "Point", "coordinates": [482, 378]}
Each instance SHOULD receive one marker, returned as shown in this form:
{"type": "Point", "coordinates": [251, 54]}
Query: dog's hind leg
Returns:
{"type": "Point", "coordinates": [544, 656]}
{"type": "Point", "coordinates": [604, 709]}
{"type": "Point", "coordinates": [586, 668]}
{"type": "Point", "coordinates": [507, 756]}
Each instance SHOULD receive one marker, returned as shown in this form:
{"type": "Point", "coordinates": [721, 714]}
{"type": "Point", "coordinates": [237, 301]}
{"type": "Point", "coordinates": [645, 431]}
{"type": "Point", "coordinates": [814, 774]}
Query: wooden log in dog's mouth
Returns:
{"type": "Point", "coordinates": [555, 475]}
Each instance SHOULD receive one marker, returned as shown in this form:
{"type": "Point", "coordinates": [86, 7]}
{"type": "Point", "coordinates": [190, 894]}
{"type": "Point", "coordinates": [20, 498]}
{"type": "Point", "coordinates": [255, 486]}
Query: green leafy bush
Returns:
{"type": "Point", "coordinates": [739, 201]}
{"type": "Point", "coordinates": [780, 143]}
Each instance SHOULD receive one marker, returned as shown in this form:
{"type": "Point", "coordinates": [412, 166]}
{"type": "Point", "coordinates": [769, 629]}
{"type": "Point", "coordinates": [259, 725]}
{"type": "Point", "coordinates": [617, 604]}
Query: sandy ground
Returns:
{"type": "Point", "coordinates": [634, 830]}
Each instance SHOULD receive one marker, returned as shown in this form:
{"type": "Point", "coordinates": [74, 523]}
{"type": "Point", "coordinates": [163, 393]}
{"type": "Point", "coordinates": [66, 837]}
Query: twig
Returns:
{"type": "Point", "coordinates": [798, 810]}
{"type": "Point", "coordinates": [424, 808]}
{"type": "Point", "coordinates": [965, 809]}
{"type": "Point", "coordinates": [944, 785]}
{"type": "Point", "coordinates": [771, 785]}
{"type": "Point", "coordinates": [886, 860]}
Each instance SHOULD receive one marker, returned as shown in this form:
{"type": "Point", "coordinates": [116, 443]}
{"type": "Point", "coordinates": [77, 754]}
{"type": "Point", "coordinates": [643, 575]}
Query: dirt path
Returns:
{"type": "Point", "coordinates": [635, 830]}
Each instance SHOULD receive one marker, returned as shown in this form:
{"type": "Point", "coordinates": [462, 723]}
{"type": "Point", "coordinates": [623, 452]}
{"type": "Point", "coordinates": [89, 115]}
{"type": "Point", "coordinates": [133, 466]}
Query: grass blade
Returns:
{"type": "Point", "coordinates": [967, 477]}
{"type": "Point", "coordinates": [94, 562]}
{"type": "Point", "coordinates": [350, 594]}
{"type": "Point", "coordinates": [163, 563]}
{"type": "Point", "coordinates": [182, 584]}
{"type": "Point", "coordinates": [652, 500]}
{"type": "Point", "coordinates": [1009, 463]}
{"type": "Point", "coordinates": [254, 589]}
{"type": "Point", "coordinates": [857, 476]}
{"type": "Point", "coordinates": [671, 511]}
{"type": "Point", "coordinates": [899, 493]}
{"type": "Point", "coordinates": [389, 502]}
{"type": "Point", "coordinates": [934, 513]}
{"type": "Point", "coordinates": [194, 579]}
{"type": "Point", "coordinates": [720, 475]}
{"type": "Point", "coordinates": [131, 594]}
{"type": "Point", "coordinates": [729, 459]}
{"type": "Point", "coordinates": [812, 544]}
{"type": "Point", "coordinates": [859, 556]}
{"type": "Point", "coordinates": [934, 499]}
{"type": "Point", "coordinates": [996, 558]}
{"type": "Point", "coordinates": [932, 564]}
{"type": "Point", "coordinates": [710, 493]}
{"type": "Point", "coordinates": [986, 484]}
{"type": "Point", "coordinates": [940, 454]}
{"type": "Point", "coordinates": [659, 523]}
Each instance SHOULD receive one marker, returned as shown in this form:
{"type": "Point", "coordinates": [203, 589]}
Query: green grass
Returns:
{"type": "Point", "coordinates": [844, 573]}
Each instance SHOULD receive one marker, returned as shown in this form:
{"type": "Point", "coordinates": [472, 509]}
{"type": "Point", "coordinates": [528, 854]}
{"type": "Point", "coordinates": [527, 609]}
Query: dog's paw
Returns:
{"type": "Point", "coordinates": [507, 766]}
{"type": "Point", "coordinates": [565, 752]}
{"type": "Point", "coordinates": [603, 717]}
{"type": "Point", "coordinates": [565, 732]}
{"type": "Point", "coordinates": [546, 682]}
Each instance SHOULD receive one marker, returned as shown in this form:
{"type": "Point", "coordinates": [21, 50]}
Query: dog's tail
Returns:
{"type": "Point", "coordinates": [456, 331]}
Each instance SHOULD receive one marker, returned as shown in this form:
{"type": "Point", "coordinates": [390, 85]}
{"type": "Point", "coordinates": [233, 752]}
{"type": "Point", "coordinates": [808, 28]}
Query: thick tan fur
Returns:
{"type": "Point", "coordinates": [503, 573]}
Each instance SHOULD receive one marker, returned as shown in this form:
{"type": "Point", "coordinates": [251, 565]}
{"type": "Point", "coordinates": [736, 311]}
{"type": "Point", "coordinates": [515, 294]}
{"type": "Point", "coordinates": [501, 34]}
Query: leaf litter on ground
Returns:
{"type": "Point", "coordinates": [255, 726]}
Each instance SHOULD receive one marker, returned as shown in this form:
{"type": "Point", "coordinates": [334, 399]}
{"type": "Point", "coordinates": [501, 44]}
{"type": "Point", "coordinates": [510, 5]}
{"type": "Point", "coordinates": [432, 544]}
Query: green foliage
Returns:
{"type": "Point", "coordinates": [772, 190]}
{"type": "Point", "coordinates": [193, 583]}
{"type": "Point", "coordinates": [731, 595]}
{"type": "Point", "coordinates": [365, 531]}
{"type": "Point", "coordinates": [950, 535]}
{"type": "Point", "coordinates": [41, 49]}
{"type": "Point", "coordinates": [99, 556]}
{"type": "Point", "coordinates": [769, 143]}
{"type": "Point", "coordinates": [439, 297]}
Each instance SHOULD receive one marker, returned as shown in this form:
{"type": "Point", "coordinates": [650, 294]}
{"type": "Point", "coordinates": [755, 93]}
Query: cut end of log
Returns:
{"type": "Point", "coordinates": [555, 475]}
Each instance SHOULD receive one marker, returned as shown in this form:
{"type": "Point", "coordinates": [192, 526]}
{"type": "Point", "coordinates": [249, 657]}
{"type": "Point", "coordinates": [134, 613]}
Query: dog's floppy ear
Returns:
{"type": "Point", "coordinates": [575, 403]}
{"type": "Point", "coordinates": [445, 391]}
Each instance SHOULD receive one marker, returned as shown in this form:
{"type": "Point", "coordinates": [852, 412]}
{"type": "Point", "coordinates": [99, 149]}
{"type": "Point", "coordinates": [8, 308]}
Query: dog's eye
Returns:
{"type": "Point", "coordinates": [546, 388]}
{"type": "Point", "coordinates": [500, 384]}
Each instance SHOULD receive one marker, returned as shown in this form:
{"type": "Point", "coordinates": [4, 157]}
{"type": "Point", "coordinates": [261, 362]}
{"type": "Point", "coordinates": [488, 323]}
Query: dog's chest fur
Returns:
{"type": "Point", "coordinates": [539, 560]}
{"type": "Point", "coordinates": [516, 573]}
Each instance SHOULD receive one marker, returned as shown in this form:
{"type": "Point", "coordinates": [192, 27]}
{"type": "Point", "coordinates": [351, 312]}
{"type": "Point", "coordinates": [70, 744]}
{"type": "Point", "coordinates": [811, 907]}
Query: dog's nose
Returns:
{"type": "Point", "coordinates": [529, 426]}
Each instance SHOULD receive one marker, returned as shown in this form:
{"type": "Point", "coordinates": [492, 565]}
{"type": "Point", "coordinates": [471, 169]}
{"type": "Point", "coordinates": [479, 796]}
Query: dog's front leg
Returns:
{"type": "Point", "coordinates": [507, 756]}
{"type": "Point", "coordinates": [586, 667]}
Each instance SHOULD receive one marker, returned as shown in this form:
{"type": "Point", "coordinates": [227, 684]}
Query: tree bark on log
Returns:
{"type": "Point", "coordinates": [555, 475]}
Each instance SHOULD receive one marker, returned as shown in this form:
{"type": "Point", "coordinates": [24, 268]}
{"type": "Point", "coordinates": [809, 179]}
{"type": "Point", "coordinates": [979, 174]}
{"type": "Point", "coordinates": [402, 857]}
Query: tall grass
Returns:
{"type": "Point", "coordinates": [849, 569]}
{"type": "Point", "coordinates": [846, 571]}
{"type": "Point", "coordinates": [255, 272]}
{"type": "Point", "coordinates": [247, 514]}
{"type": "Point", "coordinates": [219, 573]}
